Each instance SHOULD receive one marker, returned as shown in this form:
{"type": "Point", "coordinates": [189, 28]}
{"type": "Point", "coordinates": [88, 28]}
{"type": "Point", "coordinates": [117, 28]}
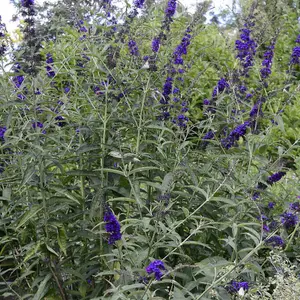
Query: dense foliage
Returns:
{"type": "Point", "coordinates": [146, 154]}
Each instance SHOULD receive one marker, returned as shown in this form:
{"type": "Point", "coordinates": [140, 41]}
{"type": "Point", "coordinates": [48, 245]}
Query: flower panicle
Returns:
{"type": "Point", "coordinates": [246, 48]}
{"type": "Point", "coordinates": [139, 3]}
{"type": "Point", "coordinates": [275, 241]}
{"type": "Point", "coordinates": [157, 267]}
{"type": "Point", "coordinates": [133, 48]}
{"type": "Point", "coordinates": [50, 62]}
{"type": "Point", "coordinates": [171, 9]}
{"type": "Point", "coordinates": [235, 134]}
{"type": "Point", "coordinates": [267, 62]}
{"type": "Point", "coordinates": [112, 227]}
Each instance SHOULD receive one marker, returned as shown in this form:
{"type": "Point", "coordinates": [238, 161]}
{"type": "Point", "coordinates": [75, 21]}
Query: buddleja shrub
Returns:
{"type": "Point", "coordinates": [128, 173]}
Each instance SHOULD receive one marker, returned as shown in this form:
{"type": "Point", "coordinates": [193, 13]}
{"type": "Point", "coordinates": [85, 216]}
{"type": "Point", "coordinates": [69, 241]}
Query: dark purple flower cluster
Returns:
{"type": "Point", "coordinates": [295, 206]}
{"type": "Point", "coordinates": [17, 80]}
{"type": "Point", "coordinates": [27, 3]}
{"type": "Point", "coordinates": [83, 29]}
{"type": "Point", "coordinates": [181, 120]}
{"type": "Point", "coordinates": [133, 48]}
{"type": "Point", "coordinates": [3, 49]}
{"type": "Point", "coordinates": [3, 46]}
{"type": "Point", "coordinates": [255, 195]}
{"type": "Point", "coordinates": [37, 125]}
{"type": "Point", "coordinates": [49, 61]}
{"type": "Point", "coordinates": [235, 286]}
{"type": "Point", "coordinates": [2, 28]}
{"type": "Point", "coordinates": [59, 119]}
{"type": "Point", "coordinates": [208, 136]}
{"type": "Point", "coordinates": [249, 96]}
{"type": "Point", "coordinates": [221, 86]}
{"type": "Point", "coordinates": [2, 132]}
{"type": "Point", "coordinates": [262, 218]}
{"type": "Point", "coordinates": [171, 8]}
{"type": "Point", "coordinates": [246, 48]}
{"type": "Point", "coordinates": [156, 267]}
{"type": "Point", "coordinates": [97, 90]}
{"type": "Point", "coordinates": [235, 134]}
{"type": "Point", "coordinates": [275, 177]}
{"type": "Point", "coordinates": [271, 205]}
{"type": "Point", "coordinates": [267, 62]}
{"type": "Point", "coordinates": [81, 62]}
{"type": "Point", "coordinates": [295, 57]}
{"type": "Point", "coordinates": [206, 102]}
{"type": "Point", "coordinates": [242, 89]}
{"type": "Point", "coordinates": [181, 49]}
{"type": "Point", "coordinates": [275, 241]}
{"type": "Point", "coordinates": [67, 89]}
{"type": "Point", "coordinates": [139, 3]}
{"type": "Point", "coordinates": [155, 44]}
{"type": "Point", "coordinates": [167, 90]}
{"type": "Point", "coordinates": [289, 220]}
{"type": "Point", "coordinates": [112, 227]}
{"type": "Point", "coordinates": [256, 110]}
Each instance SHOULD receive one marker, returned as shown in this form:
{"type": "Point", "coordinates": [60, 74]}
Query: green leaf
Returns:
{"type": "Point", "coordinates": [177, 294]}
{"type": "Point", "coordinates": [51, 250]}
{"type": "Point", "coordinates": [32, 251]}
{"type": "Point", "coordinates": [43, 289]}
{"type": "Point", "coordinates": [62, 239]}
{"type": "Point", "coordinates": [65, 193]}
{"type": "Point", "coordinates": [28, 215]}
{"type": "Point", "coordinates": [142, 169]}
{"type": "Point", "coordinates": [167, 182]}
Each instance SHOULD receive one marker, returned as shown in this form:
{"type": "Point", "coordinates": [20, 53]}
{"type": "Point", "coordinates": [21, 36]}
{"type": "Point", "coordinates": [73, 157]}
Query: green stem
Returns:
{"type": "Point", "coordinates": [82, 178]}
{"type": "Point", "coordinates": [141, 117]}
{"type": "Point", "coordinates": [44, 197]}
{"type": "Point", "coordinates": [291, 238]}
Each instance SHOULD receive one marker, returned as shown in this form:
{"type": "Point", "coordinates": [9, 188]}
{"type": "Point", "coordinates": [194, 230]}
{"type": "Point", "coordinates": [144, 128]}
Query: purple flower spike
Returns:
{"type": "Point", "coordinates": [246, 48]}
{"type": "Point", "coordinates": [208, 136]}
{"type": "Point", "coordinates": [181, 49]}
{"type": "Point", "coordinates": [221, 86]}
{"type": "Point", "coordinates": [18, 80]}
{"type": "Point", "coordinates": [2, 132]}
{"type": "Point", "coordinates": [171, 8]}
{"type": "Point", "coordinates": [295, 206]}
{"type": "Point", "coordinates": [235, 286]}
{"type": "Point", "coordinates": [289, 220]}
{"type": "Point", "coordinates": [256, 110]}
{"type": "Point", "coordinates": [155, 44]}
{"type": "Point", "coordinates": [267, 62]}
{"type": "Point", "coordinates": [49, 61]}
{"type": "Point", "coordinates": [275, 241]}
{"type": "Point", "coordinates": [37, 125]}
{"type": "Point", "coordinates": [112, 227]}
{"type": "Point", "coordinates": [139, 3]}
{"type": "Point", "coordinates": [133, 48]}
{"type": "Point", "coordinates": [167, 90]}
{"type": "Point", "coordinates": [156, 267]}
{"type": "Point", "coordinates": [271, 205]}
{"type": "Point", "coordinates": [295, 57]}
{"type": "Point", "coordinates": [275, 177]}
{"type": "Point", "coordinates": [27, 3]}
{"type": "Point", "coordinates": [235, 134]}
